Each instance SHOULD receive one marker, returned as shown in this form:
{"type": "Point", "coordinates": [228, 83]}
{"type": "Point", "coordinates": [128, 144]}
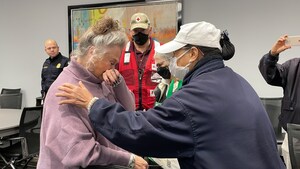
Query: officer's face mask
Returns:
{"type": "Point", "coordinates": [164, 72]}
{"type": "Point", "coordinates": [178, 71]}
{"type": "Point", "coordinates": [140, 38]}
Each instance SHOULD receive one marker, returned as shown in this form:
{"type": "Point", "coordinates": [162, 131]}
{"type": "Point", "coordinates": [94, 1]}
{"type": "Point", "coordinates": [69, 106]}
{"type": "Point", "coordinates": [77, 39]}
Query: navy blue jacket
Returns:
{"type": "Point", "coordinates": [285, 75]}
{"type": "Point", "coordinates": [51, 69]}
{"type": "Point", "coordinates": [215, 121]}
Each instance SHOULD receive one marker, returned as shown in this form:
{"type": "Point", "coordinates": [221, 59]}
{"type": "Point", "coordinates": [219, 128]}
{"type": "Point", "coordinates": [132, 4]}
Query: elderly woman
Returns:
{"type": "Point", "coordinates": [68, 140]}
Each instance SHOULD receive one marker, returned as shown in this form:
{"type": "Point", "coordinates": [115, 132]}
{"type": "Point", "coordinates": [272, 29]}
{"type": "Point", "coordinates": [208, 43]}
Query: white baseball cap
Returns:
{"type": "Point", "coordinates": [196, 33]}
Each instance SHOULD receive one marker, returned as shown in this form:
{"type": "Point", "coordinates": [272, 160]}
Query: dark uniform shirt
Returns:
{"type": "Point", "coordinates": [141, 57]}
{"type": "Point", "coordinates": [52, 67]}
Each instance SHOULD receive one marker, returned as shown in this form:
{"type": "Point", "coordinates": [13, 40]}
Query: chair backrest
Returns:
{"type": "Point", "coordinates": [30, 124]}
{"type": "Point", "coordinates": [294, 144]}
{"type": "Point", "coordinates": [273, 108]}
{"type": "Point", "coordinates": [10, 91]}
{"type": "Point", "coordinates": [11, 101]}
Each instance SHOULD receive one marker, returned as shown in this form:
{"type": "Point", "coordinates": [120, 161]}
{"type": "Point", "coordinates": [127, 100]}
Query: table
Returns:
{"type": "Point", "coordinates": [9, 121]}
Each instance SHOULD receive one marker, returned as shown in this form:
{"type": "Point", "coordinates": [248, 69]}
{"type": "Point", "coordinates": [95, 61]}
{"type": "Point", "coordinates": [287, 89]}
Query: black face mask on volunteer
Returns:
{"type": "Point", "coordinates": [164, 72]}
{"type": "Point", "coordinates": [140, 38]}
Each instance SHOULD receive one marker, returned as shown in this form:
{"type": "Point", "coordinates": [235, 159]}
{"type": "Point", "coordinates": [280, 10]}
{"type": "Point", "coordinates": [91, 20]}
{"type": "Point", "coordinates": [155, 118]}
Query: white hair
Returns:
{"type": "Point", "coordinates": [104, 34]}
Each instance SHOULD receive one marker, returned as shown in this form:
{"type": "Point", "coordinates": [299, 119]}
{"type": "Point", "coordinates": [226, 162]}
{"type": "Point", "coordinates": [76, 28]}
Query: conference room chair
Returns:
{"type": "Point", "coordinates": [273, 108]}
{"type": "Point", "coordinates": [11, 98]}
{"type": "Point", "coordinates": [11, 101]}
{"type": "Point", "coordinates": [10, 91]}
{"type": "Point", "coordinates": [294, 144]}
{"type": "Point", "coordinates": [26, 145]}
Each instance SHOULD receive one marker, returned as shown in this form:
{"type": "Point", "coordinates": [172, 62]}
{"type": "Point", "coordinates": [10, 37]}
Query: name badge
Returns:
{"type": "Point", "coordinates": [127, 58]}
{"type": "Point", "coordinates": [58, 65]}
{"type": "Point", "coordinates": [152, 93]}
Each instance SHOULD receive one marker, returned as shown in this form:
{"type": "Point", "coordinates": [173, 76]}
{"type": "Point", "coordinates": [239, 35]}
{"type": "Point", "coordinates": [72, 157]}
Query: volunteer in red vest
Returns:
{"type": "Point", "coordinates": [137, 64]}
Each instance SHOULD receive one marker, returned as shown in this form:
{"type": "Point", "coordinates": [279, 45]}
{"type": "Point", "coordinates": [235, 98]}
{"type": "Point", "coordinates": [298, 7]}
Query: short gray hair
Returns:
{"type": "Point", "coordinates": [104, 34]}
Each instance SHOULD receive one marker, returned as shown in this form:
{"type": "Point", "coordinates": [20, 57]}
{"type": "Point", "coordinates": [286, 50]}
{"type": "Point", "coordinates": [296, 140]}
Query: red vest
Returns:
{"type": "Point", "coordinates": [142, 88]}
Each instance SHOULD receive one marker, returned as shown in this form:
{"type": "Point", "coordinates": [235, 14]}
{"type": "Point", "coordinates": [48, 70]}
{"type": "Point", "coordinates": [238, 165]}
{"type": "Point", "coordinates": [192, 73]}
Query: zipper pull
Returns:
{"type": "Point", "coordinates": [141, 71]}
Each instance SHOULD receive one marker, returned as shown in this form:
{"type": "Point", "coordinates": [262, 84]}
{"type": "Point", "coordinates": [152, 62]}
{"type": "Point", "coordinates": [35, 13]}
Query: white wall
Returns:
{"type": "Point", "coordinates": [24, 26]}
{"type": "Point", "coordinates": [253, 26]}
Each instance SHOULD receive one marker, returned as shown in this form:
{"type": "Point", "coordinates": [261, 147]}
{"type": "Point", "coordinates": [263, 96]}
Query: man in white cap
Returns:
{"type": "Point", "coordinates": [215, 121]}
{"type": "Point", "coordinates": [137, 63]}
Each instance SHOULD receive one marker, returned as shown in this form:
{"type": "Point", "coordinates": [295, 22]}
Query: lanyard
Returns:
{"type": "Point", "coordinates": [171, 88]}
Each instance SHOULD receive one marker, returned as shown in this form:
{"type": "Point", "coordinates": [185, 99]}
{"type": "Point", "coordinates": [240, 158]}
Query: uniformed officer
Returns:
{"type": "Point", "coordinates": [52, 66]}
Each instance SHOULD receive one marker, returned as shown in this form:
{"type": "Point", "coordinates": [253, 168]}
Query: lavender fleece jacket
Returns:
{"type": "Point", "coordinates": [68, 140]}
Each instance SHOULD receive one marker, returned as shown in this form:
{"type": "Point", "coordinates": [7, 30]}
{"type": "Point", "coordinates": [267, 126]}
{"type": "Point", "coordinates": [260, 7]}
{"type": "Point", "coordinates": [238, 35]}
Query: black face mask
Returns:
{"type": "Point", "coordinates": [164, 72]}
{"type": "Point", "coordinates": [140, 38]}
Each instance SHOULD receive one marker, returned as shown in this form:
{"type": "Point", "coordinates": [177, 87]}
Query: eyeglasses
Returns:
{"type": "Point", "coordinates": [185, 49]}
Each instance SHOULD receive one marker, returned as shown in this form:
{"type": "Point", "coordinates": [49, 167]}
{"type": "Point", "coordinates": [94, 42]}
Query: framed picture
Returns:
{"type": "Point", "coordinates": [165, 17]}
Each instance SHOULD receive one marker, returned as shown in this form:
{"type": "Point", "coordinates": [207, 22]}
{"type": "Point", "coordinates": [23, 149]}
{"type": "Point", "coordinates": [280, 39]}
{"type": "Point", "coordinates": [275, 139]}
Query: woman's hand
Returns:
{"type": "Point", "coordinates": [111, 77]}
{"type": "Point", "coordinates": [78, 95]}
{"type": "Point", "coordinates": [280, 46]}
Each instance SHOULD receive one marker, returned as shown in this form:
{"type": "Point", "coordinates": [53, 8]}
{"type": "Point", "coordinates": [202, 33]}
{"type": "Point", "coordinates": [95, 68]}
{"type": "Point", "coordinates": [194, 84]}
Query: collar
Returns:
{"type": "Point", "coordinates": [56, 57]}
{"type": "Point", "coordinates": [82, 73]}
{"type": "Point", "coordinates": [206, 64]}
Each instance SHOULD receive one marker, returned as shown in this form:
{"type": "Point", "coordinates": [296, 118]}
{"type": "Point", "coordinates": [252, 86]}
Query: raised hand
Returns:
{"type": "Point", "coordinates": [280, 46]}
{"type": "Point", "coordinates": [111, 77]}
